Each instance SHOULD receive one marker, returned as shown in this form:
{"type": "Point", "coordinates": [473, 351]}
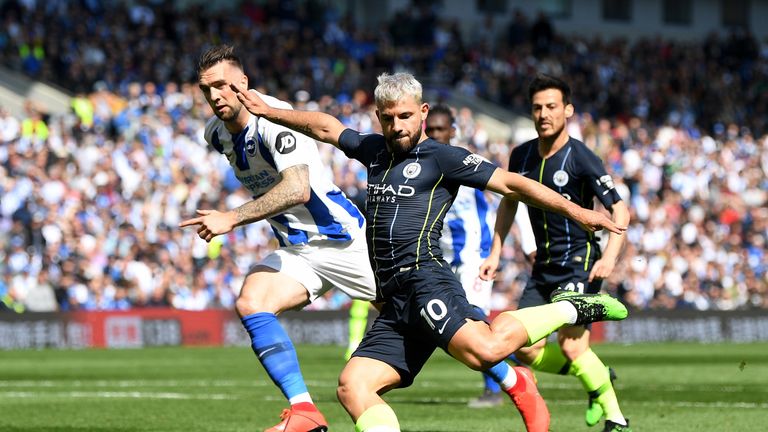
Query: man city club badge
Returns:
{"type": "Point", "coordinates": [560, 178]}
{"type": "Point", "coordinates": [411, 170]}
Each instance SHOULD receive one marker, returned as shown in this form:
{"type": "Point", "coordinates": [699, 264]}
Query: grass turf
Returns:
{"type": "Point", "coordinates": [661, 387]}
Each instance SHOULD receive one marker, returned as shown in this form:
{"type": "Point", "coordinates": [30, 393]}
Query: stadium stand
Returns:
{"type": "Point", "coordinates": [91, 198]}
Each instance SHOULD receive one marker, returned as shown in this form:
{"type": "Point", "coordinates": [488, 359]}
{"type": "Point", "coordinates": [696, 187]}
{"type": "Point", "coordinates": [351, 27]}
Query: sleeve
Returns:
{"type": "Point", "coordinates": [287, 147]}
{"type": "Point", "coordinates": [463, 167]}
{"type": "Point", "coordinates": [362, 147]}
{"type": "Point", "coordinates": [599, 180]}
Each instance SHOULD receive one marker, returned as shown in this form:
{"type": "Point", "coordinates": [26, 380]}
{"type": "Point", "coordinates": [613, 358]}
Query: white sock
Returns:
{"type": "Point", "coordinates": [510, 380]}
{"type": "Point", "coordinates": [303, 397]}
{"type": "Point", "coordinates": [568, 309]}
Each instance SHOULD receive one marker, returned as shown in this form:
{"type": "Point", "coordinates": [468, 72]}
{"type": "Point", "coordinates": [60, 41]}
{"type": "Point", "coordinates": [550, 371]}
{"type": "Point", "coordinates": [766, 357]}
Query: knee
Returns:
{"type": "Point", "coordinates": [348, 390]}
{"type": "Point", "coordinates": [485, 355]}
{"type": "Point", "coordinates": [247, 305]}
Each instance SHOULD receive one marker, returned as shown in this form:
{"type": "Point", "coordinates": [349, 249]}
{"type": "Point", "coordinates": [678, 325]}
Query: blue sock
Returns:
{"type": "Point", "coordinates": [496, 375]}
{"type": "Point", "coordinates": [275, 352]}
{"type": "Point", "coordinates": [491, 386]}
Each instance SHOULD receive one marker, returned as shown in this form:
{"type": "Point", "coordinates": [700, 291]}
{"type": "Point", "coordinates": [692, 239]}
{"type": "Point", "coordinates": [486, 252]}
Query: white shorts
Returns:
{"type": "Point", "coordinates": [324, 264]}
{"type": "Point", "coordinates": [478, 291]}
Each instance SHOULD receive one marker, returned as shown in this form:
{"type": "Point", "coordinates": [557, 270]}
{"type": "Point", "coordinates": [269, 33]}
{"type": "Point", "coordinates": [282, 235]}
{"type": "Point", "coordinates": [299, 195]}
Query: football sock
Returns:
{"type": "Point", "coordinates": [277, 354]}
{"type": "Point", "coordinates": [503, 374]}
{"type": "Point", "coordinates": [552, 360]}
{"type": "Point", "coordinates": [596, 379]}
{"type": "Point", "coordinates": [491, 386]}
{"type": "Point", "coordinates": [378, 418]}
{"type": "Point", "coordinates": [358, 321]}
{"type": "Point", "coordinates": [540, 321]}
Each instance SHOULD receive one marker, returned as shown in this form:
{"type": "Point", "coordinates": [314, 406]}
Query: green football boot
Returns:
{"type": "Point", "coordinates": [615, 427]}
{"type": "Point", "coordinates": [592, 307]}
{"type": "Point", "coordinates": [594, 409]}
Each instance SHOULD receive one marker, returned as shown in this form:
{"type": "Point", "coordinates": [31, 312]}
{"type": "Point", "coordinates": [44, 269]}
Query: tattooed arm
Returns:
{"type": "Point", "coordinates": [292, 189]}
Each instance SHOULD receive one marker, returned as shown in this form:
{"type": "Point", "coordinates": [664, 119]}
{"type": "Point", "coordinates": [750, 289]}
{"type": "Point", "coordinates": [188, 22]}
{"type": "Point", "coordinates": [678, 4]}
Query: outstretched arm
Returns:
{"type": "Point", "coordinates": [520, 188]}
{"type": "Point", "coordinates": [320, 126]}
{"type": "Point", "coordinates": [292, 189]}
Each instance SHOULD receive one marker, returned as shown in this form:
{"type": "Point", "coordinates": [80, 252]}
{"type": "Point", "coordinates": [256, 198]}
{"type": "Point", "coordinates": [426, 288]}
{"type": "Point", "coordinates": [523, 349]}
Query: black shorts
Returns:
{"type": "Point", "coordinates": [546, 279]}
{"type": "Point", "coordinates": [425, 312]}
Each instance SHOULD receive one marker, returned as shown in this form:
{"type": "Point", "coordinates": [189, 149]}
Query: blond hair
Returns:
{"type": "Point", "coordinates": [394, 87]}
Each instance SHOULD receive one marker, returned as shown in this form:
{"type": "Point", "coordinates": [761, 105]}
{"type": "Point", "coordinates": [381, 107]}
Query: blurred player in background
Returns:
{"type": "Point", "coordinates": [321, 233]}
{"type": "Point", "coordinates": [568, 257]}
{"type": "Point", "coordinates": [358, 322]}
{"type": "Point", "coordinates": [412, 181]}
{"type": "Point", "coordinates": [467, 237]}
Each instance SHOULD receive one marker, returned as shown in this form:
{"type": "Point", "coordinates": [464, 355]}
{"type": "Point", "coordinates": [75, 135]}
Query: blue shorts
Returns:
{"type": "Point", "coordinates": [426, 310]}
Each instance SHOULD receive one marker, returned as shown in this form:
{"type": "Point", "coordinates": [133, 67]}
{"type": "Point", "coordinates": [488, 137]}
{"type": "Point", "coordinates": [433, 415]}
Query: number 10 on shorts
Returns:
{"type": "Point", "coordinates": [435, 311]}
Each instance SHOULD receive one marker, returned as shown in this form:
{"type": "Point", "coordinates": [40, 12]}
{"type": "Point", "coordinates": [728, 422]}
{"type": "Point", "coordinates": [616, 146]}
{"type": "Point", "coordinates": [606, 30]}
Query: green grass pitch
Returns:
{"type": "Point", "coordinates": [662, 387]}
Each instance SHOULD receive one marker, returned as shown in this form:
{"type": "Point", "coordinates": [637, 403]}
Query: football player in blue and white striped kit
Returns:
{"type": "Point", "coordinates": [467, 239]}
{"type": "Point", "coordinates": [321, 233]}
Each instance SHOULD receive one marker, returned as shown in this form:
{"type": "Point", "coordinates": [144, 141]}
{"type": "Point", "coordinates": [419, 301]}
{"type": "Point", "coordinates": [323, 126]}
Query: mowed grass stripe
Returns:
{"type": "Point", "coordinates": [662, 387]}
{"type": "Point", "coordinates": [571, 384]}
{"type": "Point", "coordinates": [395, 399]}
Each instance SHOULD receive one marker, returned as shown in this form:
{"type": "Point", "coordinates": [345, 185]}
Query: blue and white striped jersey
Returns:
{"type": "Point", "coordinates": [468, 227]}
{"type": "Point", "coordinates": [264, 149]}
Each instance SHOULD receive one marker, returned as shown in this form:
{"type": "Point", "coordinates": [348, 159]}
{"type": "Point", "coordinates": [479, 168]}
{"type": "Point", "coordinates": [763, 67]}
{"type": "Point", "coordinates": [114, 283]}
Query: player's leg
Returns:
{"type": "Point", "coordinates": [346, 266]}
{"type": "Point", "coordinates": [445, 316]}
{"type": "Point", "coordinates": [388, 357]}
{"type": "Point", "coordinates": [542, 356]}
{"type": "Point", "coordinates": [587, 367]}
{"type": "Point", "coordinates": [358, 321]}
{"type": "Point", "coordinates": [478, 294]}
{"type": "Point", "coordinates": [511, 330]}
{"type": "Point", "coordinates": [267, 292]}
{"type": "Point", "coordinates": [361, 383]}
{"type": "Point", "coordinates": [517, 382]}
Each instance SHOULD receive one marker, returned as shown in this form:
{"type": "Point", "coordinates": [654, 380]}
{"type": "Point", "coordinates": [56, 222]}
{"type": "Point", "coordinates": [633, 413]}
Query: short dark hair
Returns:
{"type": "Point", "coordinates": [545, 82]}
{"type": "Point", "coordinates": [218, 54]}
{"type": "Point", "coordinates": [442, 109]}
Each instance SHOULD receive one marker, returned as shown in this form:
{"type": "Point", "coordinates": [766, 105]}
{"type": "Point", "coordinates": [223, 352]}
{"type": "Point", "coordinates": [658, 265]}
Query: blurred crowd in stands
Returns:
{"type": "Point", "coordinates": [90, 201]}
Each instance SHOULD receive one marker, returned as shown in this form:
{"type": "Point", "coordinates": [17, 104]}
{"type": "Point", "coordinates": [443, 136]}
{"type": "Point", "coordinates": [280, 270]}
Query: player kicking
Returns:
{"type": "Point", "coordinates": [412, 181]}
{"type": "Point", "coordinates": [467, 238]}
{"type": "Point", "coordinates": [321, 233]}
